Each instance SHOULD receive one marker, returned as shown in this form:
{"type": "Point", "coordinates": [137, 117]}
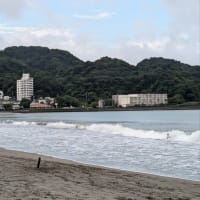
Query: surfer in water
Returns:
{"type": "Point", "coordinates": [167, 136]}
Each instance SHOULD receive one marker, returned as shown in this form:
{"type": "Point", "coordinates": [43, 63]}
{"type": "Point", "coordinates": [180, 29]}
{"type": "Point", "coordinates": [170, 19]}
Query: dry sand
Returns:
{"type": "Point", "coordinates": [62, 179]}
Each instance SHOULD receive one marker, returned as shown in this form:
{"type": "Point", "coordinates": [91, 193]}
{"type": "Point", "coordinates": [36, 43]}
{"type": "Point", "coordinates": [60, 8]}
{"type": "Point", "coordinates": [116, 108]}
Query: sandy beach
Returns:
{"type": "Point", "coordinates": [62, 179]}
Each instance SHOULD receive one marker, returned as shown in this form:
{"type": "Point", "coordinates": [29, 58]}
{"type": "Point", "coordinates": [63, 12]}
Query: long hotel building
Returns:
{"type": "Point", "coordinates": [25, 87]}
{"type": "Point", "coordinates": [139, 99]}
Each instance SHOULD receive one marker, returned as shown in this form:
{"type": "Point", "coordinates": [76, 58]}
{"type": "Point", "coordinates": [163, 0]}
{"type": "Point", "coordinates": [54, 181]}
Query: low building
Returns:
{"type": "Point", "coordinates": [39, 105]}
{"type": "Point", "coordinates": [1, 106]}
{"type": "Point", "coordinates": [139, 100]}
{"type": "Point", "coordinates": [6, 102]}
{"type": "Point", "coordinates": [121, 100]}
{"type": "Point", "coordinates": [1, 94]}
{"type": "Point", "coordinates": [100, 103]}
{"type": "Point", "coordinates": [16, 106]}
{"type": "Point", "coordinates": [50, 100]}
{"type": "Point", "coordinates": [42, 101]}
{"type": "Point", "coordinates": [1, 100]}
{"type": "Point", "coordinates": [6, 98]}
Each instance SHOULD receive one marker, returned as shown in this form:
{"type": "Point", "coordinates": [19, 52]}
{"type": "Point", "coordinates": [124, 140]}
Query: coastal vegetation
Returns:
{"type": "Point", "coordinates": [60, 74]}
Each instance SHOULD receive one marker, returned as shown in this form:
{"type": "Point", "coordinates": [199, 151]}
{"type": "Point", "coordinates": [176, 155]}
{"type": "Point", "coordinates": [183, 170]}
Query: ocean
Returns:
{"type": "Point", "coordinates": [165, 143]}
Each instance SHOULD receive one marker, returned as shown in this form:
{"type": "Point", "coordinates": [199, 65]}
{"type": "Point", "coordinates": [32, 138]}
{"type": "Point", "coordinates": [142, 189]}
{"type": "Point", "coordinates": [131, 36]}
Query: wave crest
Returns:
{"type": "Point", "coordinates": [118, 129]}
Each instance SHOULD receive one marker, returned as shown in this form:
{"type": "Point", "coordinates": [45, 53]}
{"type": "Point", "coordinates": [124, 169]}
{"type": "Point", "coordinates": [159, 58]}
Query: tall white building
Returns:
{"type": "Point", "coordinates": [139, 99]}
{"type": "Point", "coordinates": [25, 87]}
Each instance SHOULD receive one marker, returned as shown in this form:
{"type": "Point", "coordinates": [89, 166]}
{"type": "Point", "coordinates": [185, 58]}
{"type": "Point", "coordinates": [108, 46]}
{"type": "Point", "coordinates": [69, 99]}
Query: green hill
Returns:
{"type": "Point", "coordinates": [58, 73]}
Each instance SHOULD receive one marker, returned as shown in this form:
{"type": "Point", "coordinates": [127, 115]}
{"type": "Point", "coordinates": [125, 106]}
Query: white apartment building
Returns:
{"type": "Point", "coordinates": [139, 99]}
{"type": "Point", "coordinates": [25, 87]}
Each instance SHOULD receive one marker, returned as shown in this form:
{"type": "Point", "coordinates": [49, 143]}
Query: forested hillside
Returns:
{"type": "Point", "coordinates": [58, 73]}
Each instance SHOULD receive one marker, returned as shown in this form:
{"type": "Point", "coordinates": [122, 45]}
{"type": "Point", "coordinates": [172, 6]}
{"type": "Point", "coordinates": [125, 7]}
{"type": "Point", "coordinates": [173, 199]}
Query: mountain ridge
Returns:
{"type": "Point", "coordinates": [58, 72]}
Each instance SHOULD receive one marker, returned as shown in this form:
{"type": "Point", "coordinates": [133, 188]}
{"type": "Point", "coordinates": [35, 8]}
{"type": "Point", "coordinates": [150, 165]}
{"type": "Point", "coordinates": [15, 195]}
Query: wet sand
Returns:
{"type": "Point", "coordinates": [63, 179]}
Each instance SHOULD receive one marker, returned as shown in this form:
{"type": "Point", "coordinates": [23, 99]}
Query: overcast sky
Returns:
{"type": "Point", "coordinates": [127, 29]}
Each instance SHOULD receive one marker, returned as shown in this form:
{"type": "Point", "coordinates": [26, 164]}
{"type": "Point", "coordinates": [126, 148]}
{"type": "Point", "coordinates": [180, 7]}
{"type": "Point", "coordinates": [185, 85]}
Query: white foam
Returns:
{"type": "Point", "coordinates": [23, 123]}
{"type": "Point", "coordinates": [151, 134]}
{"type": "Point", "coordinates": [118, 129]}
{"type": "Point", "coordinates": [61, 125]}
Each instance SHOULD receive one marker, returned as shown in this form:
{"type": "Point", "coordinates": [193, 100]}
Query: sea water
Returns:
{"type": "Point", "coordinates": [158, 142]}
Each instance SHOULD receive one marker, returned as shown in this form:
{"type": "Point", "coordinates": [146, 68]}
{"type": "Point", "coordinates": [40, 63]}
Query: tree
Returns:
{"type": "Point", "coordinates": [25, 103]}
{"type": "Point", "coordinates": [8, 106]}
{"type": "Point", "coordinates": [67, 101]}
{"type": "Point", "coordinates": [94, 104]}
{"type": "Point", "coordinates": [57, 73]}
{"type": "Point", "coordinates": [108, 102]}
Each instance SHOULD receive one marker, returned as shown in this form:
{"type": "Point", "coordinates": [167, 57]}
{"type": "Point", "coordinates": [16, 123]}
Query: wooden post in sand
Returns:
{"type": "Point", "coordinates": [38, 163]}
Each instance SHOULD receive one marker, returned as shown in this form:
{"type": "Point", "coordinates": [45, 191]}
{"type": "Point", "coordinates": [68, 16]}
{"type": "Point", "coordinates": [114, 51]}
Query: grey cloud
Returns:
{"type": "Point", "coordinates": [185, 17]}
{"type": "Point", "coordinates": [12, 8]}
{"type": "Point", "coordinates": [180, 39]}
{"type": "Point", "coordinates": [97, 16]}
{"type": "Point", "coordinates": [51, 37]}
{"type": "Point", "coordinates": [134, 52]}
{"type": "Point", "coordinates": [184, 11]}
{"type": "Point", "coordinates": [185, 28]}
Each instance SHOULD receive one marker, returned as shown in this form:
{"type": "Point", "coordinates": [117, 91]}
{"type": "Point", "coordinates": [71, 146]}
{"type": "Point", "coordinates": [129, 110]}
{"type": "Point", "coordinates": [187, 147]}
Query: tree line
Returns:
{"type": "Point", "coordinates": [60, 74]}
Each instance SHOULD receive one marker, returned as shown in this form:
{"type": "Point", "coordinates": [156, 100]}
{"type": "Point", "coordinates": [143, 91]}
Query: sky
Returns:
{"type": "Point", "coordinates": [90, 29]}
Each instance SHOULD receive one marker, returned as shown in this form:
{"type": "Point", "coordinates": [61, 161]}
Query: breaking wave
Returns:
{"type": "Point", "coordinates": [118, 129]}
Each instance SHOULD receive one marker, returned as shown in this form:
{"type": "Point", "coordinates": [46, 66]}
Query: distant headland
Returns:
{"type": "Point", "coordinates": [74, 83]}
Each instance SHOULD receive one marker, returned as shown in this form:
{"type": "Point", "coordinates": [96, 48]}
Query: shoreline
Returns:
{"type": "Point", "coordinates": [142, 108]}
{"type": "Point", "coordinates": [64, 179]}
{"type": "Point", "coordinates": [66, 161]}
